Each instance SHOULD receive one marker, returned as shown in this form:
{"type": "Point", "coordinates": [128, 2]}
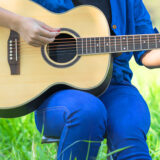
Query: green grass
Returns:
{"type": "Point", "coordinates": [153, 99]}
{"type": "Point", "coordinates": [20, 140]}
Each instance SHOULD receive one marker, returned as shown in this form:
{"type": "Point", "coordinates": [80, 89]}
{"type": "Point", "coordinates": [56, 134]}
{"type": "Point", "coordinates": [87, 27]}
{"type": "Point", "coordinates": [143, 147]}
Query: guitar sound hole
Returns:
{"type": "Point", "coordinates": [63, 49]}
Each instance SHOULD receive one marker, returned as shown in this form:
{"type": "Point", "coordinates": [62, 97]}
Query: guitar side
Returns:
{"type": "Point", "coordinates": [23, 93]}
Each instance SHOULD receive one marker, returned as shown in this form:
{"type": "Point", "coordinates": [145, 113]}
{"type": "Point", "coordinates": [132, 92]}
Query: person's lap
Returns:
{"type": "Point", "coordinates": [74, 115]}
{"type": "Point", "coordinates": [128, 121]}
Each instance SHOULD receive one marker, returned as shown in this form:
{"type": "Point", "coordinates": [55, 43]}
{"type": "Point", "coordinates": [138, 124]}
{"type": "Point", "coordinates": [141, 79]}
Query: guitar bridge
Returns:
{"type": "Point", "coordinates": [14, 53]}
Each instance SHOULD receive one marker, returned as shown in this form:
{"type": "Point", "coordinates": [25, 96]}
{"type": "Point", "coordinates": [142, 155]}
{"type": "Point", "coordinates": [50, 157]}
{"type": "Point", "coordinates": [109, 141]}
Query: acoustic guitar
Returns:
{"type": "Point", "coordinates": [79, 58]}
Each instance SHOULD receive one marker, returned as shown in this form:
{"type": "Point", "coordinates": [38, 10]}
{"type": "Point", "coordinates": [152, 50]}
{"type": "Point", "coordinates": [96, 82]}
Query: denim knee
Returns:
{"type": "Point", "coordinates": [82, 109]}
{"type": "Point", "coordinates": [51, 120]}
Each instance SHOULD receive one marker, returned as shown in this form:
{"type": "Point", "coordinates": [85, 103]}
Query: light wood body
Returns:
{"type": "Point", "coordinates": [36, 76]}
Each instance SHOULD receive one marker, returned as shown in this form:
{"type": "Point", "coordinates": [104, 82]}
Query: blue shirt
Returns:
{"type": "Point", "coordinates": [129, 16]}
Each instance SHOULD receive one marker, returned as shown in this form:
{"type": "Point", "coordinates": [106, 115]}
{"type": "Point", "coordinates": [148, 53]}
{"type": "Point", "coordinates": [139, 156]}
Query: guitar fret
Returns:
{"type": "Point", "coordinates": [84, 46]}
{"type": "Point", "coordinates": [97, 45]}
{"type": "Point", "coordinates": [92, 45]}
{"type": "Point", "coordinates": [154, 39]}
{"type": "Point", "coordinates": [137, 42]}
{"type": "Point", "coordinates": [158, 40]}
{"type": "Point", "coordinates": [127, 42]}
{"type": "Point", "coordinates": [121, 42]}
{"type": "Point", "coordinates": [88, 45]}
{"type": "Point", "coordinates": [102, 44]}
{"type": "Point", "coordinates": [130, 43]}
{"type": "Point", "coordinates": [140, 42]}
{"type": "Point", "coordinates": [124, 43]}
{"type": "Point", "coordinates": [144, 42]}
{"type": "Point", "coordinates": [112, 44]}
{"type": "Point", "coordinates": [90, 41]}
{"type": "Point", "coordinates": [115, 43]}
{"type": "Point", "coordinates": [148, 41]}
{"type": "Point", "coordinates": [118, 44]}
{"type": "Point", "coordinates": [79, 46]}
{"type": "Point", "coordinates": [152, 44]}
{"type": "Point", "coordinates": [106, 44]}
{"type": "Point", "coordinates": [134, 43]}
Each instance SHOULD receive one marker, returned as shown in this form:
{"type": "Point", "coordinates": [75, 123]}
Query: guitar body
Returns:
{"type": "Point", "coordinates": [40, 75]}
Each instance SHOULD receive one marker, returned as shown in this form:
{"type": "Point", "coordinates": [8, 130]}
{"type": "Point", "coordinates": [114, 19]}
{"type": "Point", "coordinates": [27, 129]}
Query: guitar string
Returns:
{"type": "Point", "coordinates": [135, 35]}
{"type": "Point", "coordinates": [92, 53]}
{"type": "Point", "coordinates": [113, 41]}
{"type": "Point", "coordinates": [129, 36]}
{"type": "Point", "coordinates": [88, 46]}
{"type": "Point", "coordinates": [110, 37]}
{"type": "Point", "coordinates": [64, 53]}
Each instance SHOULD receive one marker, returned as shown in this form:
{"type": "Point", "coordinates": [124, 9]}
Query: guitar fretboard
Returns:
{"type": "Point", "coordinates": [115, 44]}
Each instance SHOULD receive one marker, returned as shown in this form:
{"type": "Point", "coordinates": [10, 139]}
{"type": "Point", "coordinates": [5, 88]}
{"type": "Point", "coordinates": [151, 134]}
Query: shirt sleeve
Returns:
{"type": "Point", "coordinates": [143, 25]}
{"type": "Point", "coordinates": [57, 6]}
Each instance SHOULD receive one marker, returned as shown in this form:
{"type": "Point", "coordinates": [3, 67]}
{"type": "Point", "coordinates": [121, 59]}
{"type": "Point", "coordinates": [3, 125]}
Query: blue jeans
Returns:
{"type": "Point", "coordinates": [77, 117]}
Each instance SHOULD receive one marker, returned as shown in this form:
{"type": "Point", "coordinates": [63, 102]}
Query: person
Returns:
{"type": "Point", "coordinates": [77, 117]}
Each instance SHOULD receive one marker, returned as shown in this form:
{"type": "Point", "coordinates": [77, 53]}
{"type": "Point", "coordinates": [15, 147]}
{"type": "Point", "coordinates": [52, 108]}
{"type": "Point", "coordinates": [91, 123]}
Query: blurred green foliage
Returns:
{"type": "Point", "coordinates": [20, 140]}
{"type": "Point", "coordinates": [153, 6]}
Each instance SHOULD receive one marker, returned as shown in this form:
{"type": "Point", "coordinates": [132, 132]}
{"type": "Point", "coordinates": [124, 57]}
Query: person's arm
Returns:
{"type": "Point", "coordinates": [9, 19]}
{"type": "Point", "coordinates": [143, 25]}
{"type": "Point", "coordinates": [151, 59]}
{"type": "Point", "coordinates": [32, 31]}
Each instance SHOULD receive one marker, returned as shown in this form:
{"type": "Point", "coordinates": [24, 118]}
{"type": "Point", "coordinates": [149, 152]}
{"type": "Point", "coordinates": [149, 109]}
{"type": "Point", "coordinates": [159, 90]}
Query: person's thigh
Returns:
{"type": "Point", "coordinates": [73, 116]}
{"type": "Point", "coordinates": [128, 122]}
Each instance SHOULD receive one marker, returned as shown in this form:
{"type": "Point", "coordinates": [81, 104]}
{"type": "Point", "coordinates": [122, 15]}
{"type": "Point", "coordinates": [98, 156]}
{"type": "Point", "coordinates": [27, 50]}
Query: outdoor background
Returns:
{"type": "Point", "coordinates": [19, 139]}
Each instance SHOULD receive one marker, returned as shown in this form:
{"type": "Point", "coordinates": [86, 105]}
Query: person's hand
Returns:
{"type": "Point", "coordinates": [36, 33]}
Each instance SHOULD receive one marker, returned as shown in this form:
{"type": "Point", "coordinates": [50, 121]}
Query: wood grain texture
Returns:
{"type": "Point", "coordinates": [35, 74]}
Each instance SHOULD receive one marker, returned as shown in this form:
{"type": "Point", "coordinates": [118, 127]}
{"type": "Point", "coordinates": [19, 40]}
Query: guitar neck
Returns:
{"type": "Point", "coordinates": [115, 44]}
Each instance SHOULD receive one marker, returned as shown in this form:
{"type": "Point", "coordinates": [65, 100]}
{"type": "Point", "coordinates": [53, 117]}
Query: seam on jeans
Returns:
{"type": "Point", "coordinates": [43, 111]}
{"type": "Point", "coordinates": [53, 108]}
{"type": "Point", "coordinates": [68, 111]}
